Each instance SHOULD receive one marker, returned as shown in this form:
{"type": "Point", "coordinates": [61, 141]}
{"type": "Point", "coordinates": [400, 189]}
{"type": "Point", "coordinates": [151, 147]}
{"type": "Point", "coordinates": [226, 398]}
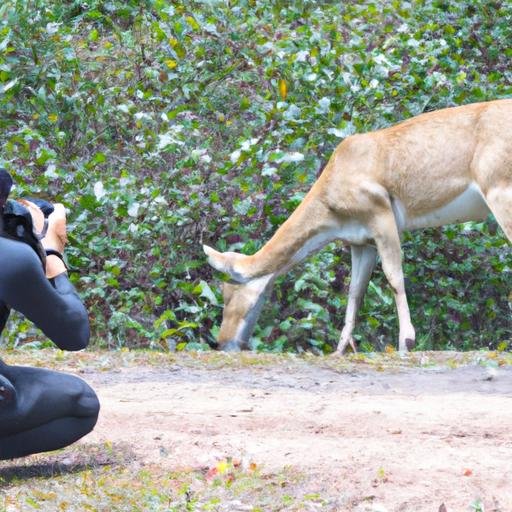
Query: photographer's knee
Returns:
{"type": "Point", "coordinates": [87, 403]}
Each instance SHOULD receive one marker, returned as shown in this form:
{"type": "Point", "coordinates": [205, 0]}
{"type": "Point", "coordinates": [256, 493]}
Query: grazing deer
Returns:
{"type": "Point", "coordinates": [448, 166]}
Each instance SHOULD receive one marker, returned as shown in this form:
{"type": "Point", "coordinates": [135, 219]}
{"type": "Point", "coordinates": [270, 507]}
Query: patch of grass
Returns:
{"type": "Point", "coordinates": [101, 478]}
{"type": "Point", "coordinates": [386, 361]}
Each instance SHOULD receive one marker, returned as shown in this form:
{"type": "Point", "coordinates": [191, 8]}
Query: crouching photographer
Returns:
{"type": "Point", "coordinates": [40, 410]}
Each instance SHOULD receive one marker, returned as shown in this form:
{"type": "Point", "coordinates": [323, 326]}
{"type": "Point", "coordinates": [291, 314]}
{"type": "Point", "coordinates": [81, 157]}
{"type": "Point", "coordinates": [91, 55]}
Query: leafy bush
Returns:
{"type": "Point", "coordinates": [163, 124]}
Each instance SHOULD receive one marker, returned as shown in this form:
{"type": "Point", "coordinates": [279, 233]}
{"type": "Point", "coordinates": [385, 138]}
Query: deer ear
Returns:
{"type": "Point", "coordinates": [215, 258]}
{"type": "Point", "coordinates": [225, 262]}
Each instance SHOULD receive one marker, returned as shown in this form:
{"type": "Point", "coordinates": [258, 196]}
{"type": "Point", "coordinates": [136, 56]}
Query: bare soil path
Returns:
{"type": "Point", "coordinates": [399, 438]}
{"type": "Point", "coordinates": [378, 433]}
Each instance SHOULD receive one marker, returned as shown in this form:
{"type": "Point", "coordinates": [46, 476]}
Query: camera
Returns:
{"type": "Point", "coordinates": [17, 220]}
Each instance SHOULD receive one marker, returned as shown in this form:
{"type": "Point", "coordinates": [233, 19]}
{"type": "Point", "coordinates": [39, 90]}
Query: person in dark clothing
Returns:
{"type": "Point", "coordinates": [42, 410]}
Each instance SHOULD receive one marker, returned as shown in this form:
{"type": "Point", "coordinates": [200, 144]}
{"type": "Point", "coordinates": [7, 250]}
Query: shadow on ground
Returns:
{"type": "Point", "coordinates": [81, 459]}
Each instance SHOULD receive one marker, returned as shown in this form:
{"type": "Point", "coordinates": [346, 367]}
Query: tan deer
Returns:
{"type": "Point", "coordinates": [448, 166]}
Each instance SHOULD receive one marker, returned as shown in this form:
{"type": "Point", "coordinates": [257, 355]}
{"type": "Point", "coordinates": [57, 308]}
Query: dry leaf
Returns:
{"type": "Point", "coordinates": [283, 89]}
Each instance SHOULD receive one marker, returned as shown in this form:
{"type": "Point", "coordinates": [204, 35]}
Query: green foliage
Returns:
{"type": "Point", "coordinates": [163, 124]}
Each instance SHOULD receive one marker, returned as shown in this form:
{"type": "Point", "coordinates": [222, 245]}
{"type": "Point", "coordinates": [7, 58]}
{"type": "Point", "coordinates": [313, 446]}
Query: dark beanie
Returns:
{"type": "Point", "coordinates": [5, 185]}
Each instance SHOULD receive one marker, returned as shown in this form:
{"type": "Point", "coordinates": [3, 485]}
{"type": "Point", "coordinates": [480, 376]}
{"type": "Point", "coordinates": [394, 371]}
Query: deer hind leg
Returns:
{"type": "Point", "coordinates": [499, 200]}
{"type": "Point", "coordinates": [387, 239]}
{"type": "Point", "coordinates": [364, 258]}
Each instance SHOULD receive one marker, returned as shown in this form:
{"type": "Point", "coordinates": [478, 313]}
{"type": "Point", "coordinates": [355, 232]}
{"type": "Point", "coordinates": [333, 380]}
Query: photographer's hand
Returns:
{"type": "Point", "coordinates": [55, 237]}
{"type": "Point", "coordinates": [35, 212]}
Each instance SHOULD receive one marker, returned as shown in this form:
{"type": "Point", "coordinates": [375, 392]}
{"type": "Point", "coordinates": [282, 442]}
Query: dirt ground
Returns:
{"type": "Point", "coordinates": [405, 439]}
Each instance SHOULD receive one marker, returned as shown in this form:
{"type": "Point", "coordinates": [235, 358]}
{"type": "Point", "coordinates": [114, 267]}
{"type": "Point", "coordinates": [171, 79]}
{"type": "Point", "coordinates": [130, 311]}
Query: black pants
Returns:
{"type": "Point", "coordinates": [42, 410]}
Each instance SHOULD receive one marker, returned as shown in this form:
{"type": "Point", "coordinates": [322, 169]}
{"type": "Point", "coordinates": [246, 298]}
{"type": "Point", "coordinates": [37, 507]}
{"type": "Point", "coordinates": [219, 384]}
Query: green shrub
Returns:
{"type": "Point", "coordinates": [163, 124]}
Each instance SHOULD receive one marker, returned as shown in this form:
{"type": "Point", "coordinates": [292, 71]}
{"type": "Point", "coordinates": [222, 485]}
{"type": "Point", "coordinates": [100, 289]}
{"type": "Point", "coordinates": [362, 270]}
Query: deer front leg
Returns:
{"type": "Point", "coordinates": [364, 258]}
{"type": "Point", "coordinates": [387, 239]}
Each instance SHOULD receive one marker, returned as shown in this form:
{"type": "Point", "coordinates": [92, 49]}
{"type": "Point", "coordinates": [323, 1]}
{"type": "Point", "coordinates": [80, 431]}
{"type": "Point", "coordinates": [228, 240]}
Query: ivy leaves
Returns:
{"type": "Point", "coordinates": [162, 125]}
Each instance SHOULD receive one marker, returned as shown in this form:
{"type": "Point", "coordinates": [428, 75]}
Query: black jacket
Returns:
{"type": "Point", "coordinates": [53, 305]}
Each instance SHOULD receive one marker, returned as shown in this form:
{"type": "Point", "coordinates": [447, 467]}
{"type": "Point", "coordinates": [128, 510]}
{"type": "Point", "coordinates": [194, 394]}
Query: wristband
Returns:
{"type": "Point", "coordinates": [53, 252]}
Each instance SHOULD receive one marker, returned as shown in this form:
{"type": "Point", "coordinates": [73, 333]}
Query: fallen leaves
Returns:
{"type": "Point", "coordinates": [228, 468]}
{"type": "Point", "coordinates": [283, 89]}
{"type": "Point", "coordinates": [382, 477]}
